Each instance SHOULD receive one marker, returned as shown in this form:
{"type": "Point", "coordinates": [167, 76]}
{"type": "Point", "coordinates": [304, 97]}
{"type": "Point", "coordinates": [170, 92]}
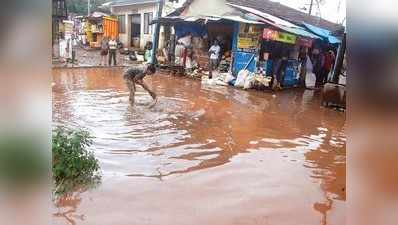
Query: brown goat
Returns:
{"type": "Point", "coordinates": [334, 95]}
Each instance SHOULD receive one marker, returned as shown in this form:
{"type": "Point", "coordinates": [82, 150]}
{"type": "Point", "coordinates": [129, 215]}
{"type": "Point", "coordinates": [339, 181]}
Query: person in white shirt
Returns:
{"type": "Point", "coordinates": [71, 49]}
{"type": "Point", "coordinates": [112, 51]}
{"type": "Point", "coordinates": [214, 52]}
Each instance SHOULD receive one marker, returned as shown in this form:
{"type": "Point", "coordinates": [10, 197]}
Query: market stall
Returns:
{"type": "Point", "coordinates": [279, 55]}
{"type": "Point", "coordinates": [194, 36]}
{"type": "Point", "coordinates": [245, 47]}
{"type": "Point", "coordinates": [97, 27]}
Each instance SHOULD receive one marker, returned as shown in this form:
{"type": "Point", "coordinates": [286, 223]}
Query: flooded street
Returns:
{"type": "Point", "coordinates": [204, 154]}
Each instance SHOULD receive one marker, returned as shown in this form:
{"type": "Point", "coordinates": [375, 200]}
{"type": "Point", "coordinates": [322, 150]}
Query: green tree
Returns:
{"type": "Point", "coordinates": [80, 6]}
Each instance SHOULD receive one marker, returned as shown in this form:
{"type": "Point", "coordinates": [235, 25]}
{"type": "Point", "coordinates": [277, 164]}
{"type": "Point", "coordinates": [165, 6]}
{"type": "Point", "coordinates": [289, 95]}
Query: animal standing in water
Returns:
{"type": "Point", "coordinates": [334, 95]}
{"type": "Point", "coordinates": [135, 75]}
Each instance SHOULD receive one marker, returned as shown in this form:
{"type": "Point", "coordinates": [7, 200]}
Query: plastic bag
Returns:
{"type": "Point", "coordinates": [308, 66]}
{"type": "Point", "coordinates": [240, 80]}
{"type": "Point", "coordinates": [228, 78]}
{"type": "Point", "coordinates": [232, 82]}
{"type": "Point", "coordinates": [249, 81]}
{"type": "Point", "coordinates": [310, 79]}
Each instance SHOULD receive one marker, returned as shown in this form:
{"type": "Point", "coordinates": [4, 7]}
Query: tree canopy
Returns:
{"type": "Point", "coordinates": [80, 6]}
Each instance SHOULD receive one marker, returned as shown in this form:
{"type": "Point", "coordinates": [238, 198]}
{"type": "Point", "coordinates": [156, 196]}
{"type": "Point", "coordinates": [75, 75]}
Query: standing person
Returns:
{"type": "Point", "coordinates": [214, 52]}
{"type": "Point", "coordinates": [104, 50]}
{"type": "Point", "coordinates": [327, 65]}
{"type": "Point", "coordinates": [135, 75]}
{"type": "Point", "coordinates": [303, 61]}
{"type": "Point", "coordinates": [310, 78]}
{"type": "Point", "coordinates": [280, 75]}
{"type": "Point", "coordinates": [148, 51]}
{"type": "Point", "coordinates": [112, 51]}
{"type": "Point", "coordinates": [71, 49]}
{"type": "Point", "coordinates": [317, 66]}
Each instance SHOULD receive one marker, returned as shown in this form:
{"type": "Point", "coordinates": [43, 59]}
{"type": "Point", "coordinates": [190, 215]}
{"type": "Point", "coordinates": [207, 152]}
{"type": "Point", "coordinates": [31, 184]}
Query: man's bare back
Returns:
{"type": "Point", "coordinates": [135, 75]}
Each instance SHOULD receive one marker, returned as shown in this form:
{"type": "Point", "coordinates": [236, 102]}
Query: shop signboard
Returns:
{"type": "Point", "coordinates": [274, 35]}
{"type": "Point", "coordinates": [269, 34]}
{"type": "Point", "coordinates": [248, 37]}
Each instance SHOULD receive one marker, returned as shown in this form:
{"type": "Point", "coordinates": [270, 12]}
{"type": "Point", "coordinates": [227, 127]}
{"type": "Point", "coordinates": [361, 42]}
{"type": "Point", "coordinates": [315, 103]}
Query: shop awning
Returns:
{"type": "Point", "coordinates": [325, 34]}
{"type": "Point", "coordinates": [239, 19]}
{"type": "Point", "coordinates": [276, 22]}
{"type": "Point", "coordinates": [176, 19]}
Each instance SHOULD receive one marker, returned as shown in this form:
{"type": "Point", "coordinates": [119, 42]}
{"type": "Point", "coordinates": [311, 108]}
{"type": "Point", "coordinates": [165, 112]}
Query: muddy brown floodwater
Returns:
{"type": "Point", "coordinates": [203, 155]}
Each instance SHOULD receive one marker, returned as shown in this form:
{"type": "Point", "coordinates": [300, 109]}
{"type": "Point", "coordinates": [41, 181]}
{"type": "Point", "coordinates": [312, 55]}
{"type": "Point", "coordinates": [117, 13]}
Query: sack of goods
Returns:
{"type": "Point", "coordinates": [310, 80]}
{"type": "Point", "coordinates": [240, 80]}
{"type": "Point", "coordinates": [228, 78]}
{"type": "Point", "coordinates": [249, 81]}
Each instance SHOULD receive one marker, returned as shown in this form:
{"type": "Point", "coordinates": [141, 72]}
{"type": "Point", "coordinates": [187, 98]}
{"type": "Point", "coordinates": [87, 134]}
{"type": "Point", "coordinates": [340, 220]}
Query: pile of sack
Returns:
{"type": "Point", "coordinates": [245, 79]}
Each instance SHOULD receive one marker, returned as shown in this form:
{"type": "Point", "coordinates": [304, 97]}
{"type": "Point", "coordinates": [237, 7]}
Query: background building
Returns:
{"type": "Point", "coordinates": [135, 17]}
{"type": "Point", "coordinates": [59, 13]}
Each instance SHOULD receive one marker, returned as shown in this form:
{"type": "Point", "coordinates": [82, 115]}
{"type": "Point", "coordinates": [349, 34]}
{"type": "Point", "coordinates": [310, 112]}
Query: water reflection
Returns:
{"type": "Point", "coordinates": [67, 208]}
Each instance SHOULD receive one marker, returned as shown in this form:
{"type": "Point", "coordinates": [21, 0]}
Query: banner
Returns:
{"type": "Point", "coordinates": [269, 34]}
{"type": "Point", "coordinates": [274, 35]}
{"type": "Point", "coordinates": [248, 37]}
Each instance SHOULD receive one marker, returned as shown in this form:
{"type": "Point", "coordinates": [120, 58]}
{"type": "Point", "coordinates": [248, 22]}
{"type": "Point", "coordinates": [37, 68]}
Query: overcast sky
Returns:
{"type": "Point", "coordinates": [333, 10]}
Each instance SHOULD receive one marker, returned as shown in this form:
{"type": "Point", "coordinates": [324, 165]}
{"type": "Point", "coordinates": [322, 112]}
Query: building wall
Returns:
{"type": "Point", "coordinates": [208, 8]}
{"type": "Point", "coordinates": [136, 9]}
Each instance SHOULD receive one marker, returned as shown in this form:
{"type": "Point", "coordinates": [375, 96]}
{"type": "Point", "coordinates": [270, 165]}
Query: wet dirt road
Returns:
{"type": "Point", "coordinates": [203, 155]}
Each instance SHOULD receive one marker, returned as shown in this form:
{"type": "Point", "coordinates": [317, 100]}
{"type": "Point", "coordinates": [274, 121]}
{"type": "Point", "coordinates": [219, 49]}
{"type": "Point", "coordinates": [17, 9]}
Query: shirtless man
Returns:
{"type": "Point", "coordinates": [135, 75]}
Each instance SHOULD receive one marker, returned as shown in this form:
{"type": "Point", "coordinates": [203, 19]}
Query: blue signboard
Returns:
{"type": "Point", "coordinates": [242, 60]}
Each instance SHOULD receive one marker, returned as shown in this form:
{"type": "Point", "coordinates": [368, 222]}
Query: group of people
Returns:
{"type": "Point", "coordinates": [321, 62]}
{"type": "Point", "coordinates": [318, 61]}
{"type": "Point", "coordinates": [108, 47]}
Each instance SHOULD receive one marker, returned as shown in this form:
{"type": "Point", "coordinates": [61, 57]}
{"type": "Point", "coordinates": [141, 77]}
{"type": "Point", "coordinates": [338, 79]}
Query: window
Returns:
{"type": "Point", "coordinates": [122, 24]}
{"type": "Point", "coordinates": [147, 20]}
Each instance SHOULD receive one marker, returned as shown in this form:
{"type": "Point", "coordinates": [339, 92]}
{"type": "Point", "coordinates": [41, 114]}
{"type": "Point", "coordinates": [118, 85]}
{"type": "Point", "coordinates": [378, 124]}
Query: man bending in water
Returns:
{"type": "Point", "coordinates": [135, 75]}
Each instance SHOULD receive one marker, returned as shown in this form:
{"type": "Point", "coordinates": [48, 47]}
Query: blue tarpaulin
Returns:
{"type": "Point", "coordinates": [196, 29]}
{"type": "Point", "coordinates": [325, 34]}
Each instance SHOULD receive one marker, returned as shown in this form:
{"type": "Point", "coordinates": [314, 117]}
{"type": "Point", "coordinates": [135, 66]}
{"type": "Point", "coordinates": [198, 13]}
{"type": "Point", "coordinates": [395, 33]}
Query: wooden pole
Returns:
{"type": "Point", "coordinates": [339, 61]}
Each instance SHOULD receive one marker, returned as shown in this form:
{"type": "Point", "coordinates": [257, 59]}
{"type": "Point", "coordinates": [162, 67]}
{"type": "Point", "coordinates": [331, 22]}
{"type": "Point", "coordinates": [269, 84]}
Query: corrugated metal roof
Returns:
{"type": "Point", "coordinates": [287, 13]}
{"type": "Point", "coordinates": [264, 15]}
{"type": "Point", "coordinates": [132, 2]}
{"type": "Point", "coordinates": [279, 10]}
{"type": "Point", "coordinates": [277, 22]}
{"type": "Point", "coordinates": [205, 18]}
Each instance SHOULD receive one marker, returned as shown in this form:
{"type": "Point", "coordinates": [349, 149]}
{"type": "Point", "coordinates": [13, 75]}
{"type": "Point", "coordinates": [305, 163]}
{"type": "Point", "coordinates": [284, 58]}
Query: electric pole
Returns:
{"type": "Point", "coordinates": [157, 32]}
{"type": "Point", "coordinates": [311, 4]}
{"type": "Point", "coordinates": [88, 7]}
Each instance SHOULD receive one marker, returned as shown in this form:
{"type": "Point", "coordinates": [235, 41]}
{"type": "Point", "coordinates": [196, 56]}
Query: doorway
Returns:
{"type": "Point", "coordinates": [135, 30]}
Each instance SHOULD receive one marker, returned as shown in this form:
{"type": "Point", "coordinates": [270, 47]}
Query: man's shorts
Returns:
{"type": "Point", "coordinates": [213, 64]}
